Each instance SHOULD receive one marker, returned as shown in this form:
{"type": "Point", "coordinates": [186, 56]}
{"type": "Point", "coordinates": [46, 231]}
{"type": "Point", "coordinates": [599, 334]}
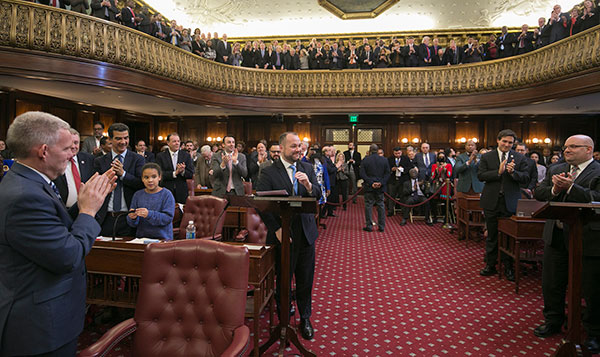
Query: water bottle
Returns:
{"type": "Point", "coordinates": [190, 230]}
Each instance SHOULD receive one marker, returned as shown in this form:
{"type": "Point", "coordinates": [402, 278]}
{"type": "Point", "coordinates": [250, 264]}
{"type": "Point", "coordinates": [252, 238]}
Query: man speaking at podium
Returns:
{"type": "Point", "coordinates": [575, 180]}
{"type": "Point", "coordinates": [298, 179]}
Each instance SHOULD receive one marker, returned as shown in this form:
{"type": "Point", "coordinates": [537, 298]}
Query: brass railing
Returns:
{"type": "Point", "coordinates": [36, 27]}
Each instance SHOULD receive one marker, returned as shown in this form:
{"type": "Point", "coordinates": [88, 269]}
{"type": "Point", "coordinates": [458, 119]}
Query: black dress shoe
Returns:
{"type": "Point", "coordinates": [381, 229]}
{"type": "Point", "coordinates": [306, 329]}
{"type": "Point", "coordinates": [592, 344]}
{"type": "Point", "coordinates": [509, 274]}
{"type": "Point", "coordinates": [546, 330]}
{"type": "Point", "coordinates": [390, 214]}
{"type": "Point", "coordinates": [429, 223]}
{"type": "Point", "coordinates": [489, 270]}
{"type": "Point", "coordinates": [368, 229]}
{"type": "Point", "coordinates": [403, 223]}
{"type": "Point", "coordinates": [331, 215]}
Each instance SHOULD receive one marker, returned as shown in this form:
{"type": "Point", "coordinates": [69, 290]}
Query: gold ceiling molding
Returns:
{"type": "Point", "coordinates": [330, 5]}
{"type": "Point", "coordinates": [29, 26]}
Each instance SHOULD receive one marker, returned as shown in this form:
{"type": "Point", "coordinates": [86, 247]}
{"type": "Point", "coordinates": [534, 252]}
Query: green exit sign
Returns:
{"type": "Point", "coordinates": [353, 118]}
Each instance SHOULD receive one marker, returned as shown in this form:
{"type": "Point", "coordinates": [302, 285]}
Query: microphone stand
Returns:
{"type": "Point", "coordinates": [117, 220]}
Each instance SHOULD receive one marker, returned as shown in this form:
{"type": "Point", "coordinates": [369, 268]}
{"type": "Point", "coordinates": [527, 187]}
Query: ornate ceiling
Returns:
{"type": "Point", "coordinates": [240, 18]}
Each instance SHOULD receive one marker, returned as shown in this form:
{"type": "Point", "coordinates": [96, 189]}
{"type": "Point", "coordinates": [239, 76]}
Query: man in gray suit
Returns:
{"type": "Point", "coordinates": [228, 169]}
{"type": "Point", "coordinates": [465, 169]}
{"type": "Point", "coordinates": [575, 180]}
{"type": "Point", "coordinates": [91, 144]}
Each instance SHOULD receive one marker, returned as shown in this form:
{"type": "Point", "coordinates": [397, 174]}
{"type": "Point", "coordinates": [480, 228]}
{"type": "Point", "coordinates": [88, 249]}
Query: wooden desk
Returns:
{"type": "Point", "coordinates": [520, 238]}
{"type": "Point", "coordinates": [115, 268]}
{"type": "Point", "coordinates": [470, 215]}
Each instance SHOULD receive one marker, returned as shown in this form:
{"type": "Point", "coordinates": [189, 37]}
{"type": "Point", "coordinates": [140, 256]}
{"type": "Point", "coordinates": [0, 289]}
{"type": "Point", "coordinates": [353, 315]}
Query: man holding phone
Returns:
{"type": "Point", "coordinates": [502, 170]}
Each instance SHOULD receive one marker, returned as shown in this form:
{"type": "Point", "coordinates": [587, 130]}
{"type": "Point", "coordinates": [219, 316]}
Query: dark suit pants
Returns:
{"type": "Point", "coordinates": [334, 197]}
{"type": "Point", "coordinates": [394, 190]}
{"type": "Point", "coordinates": [374, 198]}
{"type": "Point", "coordinates": [343, 190]}
{"type": "Point", "coordinates": [555, 279]}
{"type": "Point", "coordinates": [352, 180]}
{"type": "Point", "coordinates": [302, 266]}
{"type": "Point", "coordinates": [491, 223]}
{"type": "Point", "coordinates": [413, 200]}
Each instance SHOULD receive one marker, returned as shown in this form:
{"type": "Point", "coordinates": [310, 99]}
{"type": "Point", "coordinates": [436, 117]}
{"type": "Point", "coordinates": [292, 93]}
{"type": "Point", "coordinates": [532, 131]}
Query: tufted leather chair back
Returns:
{"type": "Point", "coordinates": [204, 211]}
{"type": "Point", "coordinates": [190, 186]}
{"type": "Point", "coordinates": [192, 297]}
{"type": "Point", "coordinates": [247, 188]}
{"type": "Point", "coordinates": [257, 231]}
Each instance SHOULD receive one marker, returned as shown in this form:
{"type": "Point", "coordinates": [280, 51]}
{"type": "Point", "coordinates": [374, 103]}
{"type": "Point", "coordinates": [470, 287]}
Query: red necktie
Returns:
{"type": "Point", "coordinates": [54, 3]}
{"type": "Point", "coordinates": [76, 176]}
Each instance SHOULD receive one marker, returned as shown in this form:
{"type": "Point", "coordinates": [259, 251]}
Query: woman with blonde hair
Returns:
{"type": "Point", "coordinates": [341, 176]}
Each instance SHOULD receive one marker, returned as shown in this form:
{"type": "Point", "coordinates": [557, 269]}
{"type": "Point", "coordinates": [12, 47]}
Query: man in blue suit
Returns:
{"type": "Point", "coordinates": [42, 249]}
{"type": "Point", "coordinates": [375, 171]}
{"type": "Point", "coordinates": [298, 179]}
{"type": "Point", "coordinates": [127, 165]}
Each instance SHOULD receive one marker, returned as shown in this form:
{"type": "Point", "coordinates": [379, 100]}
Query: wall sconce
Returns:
{"type": "Point", "coordinates": [160, 138]}
{"type": "Point", "coordinates": [415, 140]}
{"type": "Point", "coordinates": [547, 140]}
{"type": "Point", "coordinates": [535, 140]}
{"type": "Point", "coordinates": [219, 138]}
{"type": "Point", "coordinates": [307, 139]}
{"type": "Point", "coordinates": [462, 140]}
{"type": "Point", "coordinates": [475, 140]}
{"type": "Point", "coordinates": [404, 140]}
{"type": "Point", "coordinates": [209, 138]}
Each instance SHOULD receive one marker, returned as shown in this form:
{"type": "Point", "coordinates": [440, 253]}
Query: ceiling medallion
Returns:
{"type": "Point", "coordinates": [357, 9]}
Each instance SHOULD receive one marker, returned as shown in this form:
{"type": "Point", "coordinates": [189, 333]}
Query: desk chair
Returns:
{"type": "Point", "coordinates": [207, 213]}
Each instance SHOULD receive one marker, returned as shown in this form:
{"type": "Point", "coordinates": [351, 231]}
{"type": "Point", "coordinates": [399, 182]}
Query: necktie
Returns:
{"type": "Point", "coordinates": [574, 172]}
{"type": "Point", "coordinates": [294, 180]}
{"type": "Point", "coordinates": [415, 188]}
{"type": "Point", "coordinates": [76, 176]}
{"type": "Point", "coordinates": [503, 157]}
{"type": "Point", "coordinates": [397, 161]}
{"type": "Point", "coordinates": [55, 189]}
{"type": "Point", "coordinates": [174, 161]}
{"type": "Point", "coordinates": [118, 191]}
{"type": "Point", "coordinates": [55, 3]}
{"type": "Point", "coordinates": [426, 157]}
{"type": "Point", "coordinates": [230, 181]}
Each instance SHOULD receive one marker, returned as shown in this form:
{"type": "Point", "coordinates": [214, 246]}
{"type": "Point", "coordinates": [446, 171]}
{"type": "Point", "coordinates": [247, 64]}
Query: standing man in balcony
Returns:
{"type": "Point", "coordinates": [104, 9]}
{"type": "Point", "coordinates": [177, 167]}
{"type": "Point", "coordinates": [129, 17]}
{"type": "Point", "coordinates": [502, 170]}
{"type": "Point", "coordinates": [229, 168]}
{"type": "Point", "coordinates": [91, 144]}
{"type": "Point", "coordinates": [558, 24]}
{"type": "Point", "coordinates": [55, 3]}
{"type": "Point", "coordinates": [223, 50]}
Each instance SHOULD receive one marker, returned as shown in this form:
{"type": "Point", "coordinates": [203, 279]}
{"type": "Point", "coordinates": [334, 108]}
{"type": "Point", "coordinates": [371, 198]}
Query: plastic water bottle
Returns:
{"type": "Point", "coordinates": [190, 230]}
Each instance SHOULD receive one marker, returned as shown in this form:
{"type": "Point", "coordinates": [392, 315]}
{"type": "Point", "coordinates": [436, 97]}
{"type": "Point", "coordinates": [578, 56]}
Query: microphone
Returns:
{"type": "Point", "coordinates": [219, 218]}
{"type": "Point", "coordinates": [117, 220]}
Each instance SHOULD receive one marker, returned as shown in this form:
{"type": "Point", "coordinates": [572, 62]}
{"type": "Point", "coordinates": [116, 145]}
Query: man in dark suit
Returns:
{"type": "Point", "coordinates": [410, 54]}
{"type": "Point", "coordinates": [352, 58]}
{"type": "Point", "coordinates": [223, 50]}
{"type": "Point", "coordinates": [336, 57]}
{"type": "Point", "coordinates": [524, 41]}
{"type": "Point", "coordinates": [91, 144]}
{"type": "Point", "coordinates": [55, 3]}
{"type": "Point", "coordinates": [159, 30]}
{"type": "Point", "coordinates": [467, 164]}
{"type": "Point", "coordinates": [128, 16]}
{"type": "Point", "coordinates": [541, 35]}
{"type": "Point", "coordinates": [504, 42]}
{"type": "Point", "coordinates": [366, 58]}
{"type": "Point", "coordinates": [502, 170]}
{"type": "Point", "coordinates": [375, 171]}
{"type": "Point", "coordinates": [575, 180]}
{"type": "Point", "coordinates": [177, 167]}
{"type": "Point", "coordinates": [396, 162]}
{"type": "Point", "coordinates": [141, 149]}
{"type": "Point", "coordinates": [452, 55]}
{"type": "Point", "coordinates": [104, 9]}
{"type": "Point", "coordinates": [413, 192]}
{"type": "Point", "coordinates": [530, 185]}
{"type": "Point", "coordinates": [318, 56]}
{"type": "Point", "coordinates": [79, 170]}
{"type": "Point", "coordinates": [331, 172]}
{"type": "Point", "coordinates": [425, 53]}
{"type": "Point", "coordinates": [127, 166]}
{"type": "Point", "coordinates": [262, 59]}
{"type": "Point", "coordinates": [558, 24]}
{"type": "Point", "coordinates": [43, 248]}
{"type": "Point", "coordinates": [353, 159]}
{"type": "Point", "coordinates": [424, 161]}
{"type": "Point", "coordinates": [298, 179]}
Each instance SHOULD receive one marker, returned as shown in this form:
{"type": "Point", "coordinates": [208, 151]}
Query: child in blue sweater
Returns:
{"type": "Point", "coordinates": [152, 208]}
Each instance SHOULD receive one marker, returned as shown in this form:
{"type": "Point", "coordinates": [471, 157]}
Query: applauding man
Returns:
{"type": "Point", "coordinates": [228, 169]}
{"type": "Point", "coordinates": [177, 166]}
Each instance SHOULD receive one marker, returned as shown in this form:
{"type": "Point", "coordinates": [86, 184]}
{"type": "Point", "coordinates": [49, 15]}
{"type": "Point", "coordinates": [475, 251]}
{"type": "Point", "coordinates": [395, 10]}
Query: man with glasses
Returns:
{"type": "Point", "coordinates": [502, 170]}
{"type": "Point", "coordinates": [575, 180]}
{"type": "Point", "coordinates": [274, 153]}
{"type": "Point", "coordinates": [91, 144]}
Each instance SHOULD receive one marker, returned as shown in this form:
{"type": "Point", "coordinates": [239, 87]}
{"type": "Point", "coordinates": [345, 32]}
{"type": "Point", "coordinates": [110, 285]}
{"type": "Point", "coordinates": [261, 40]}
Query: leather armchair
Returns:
{"type": "Point", "coordinates": [205, 211]}
{"type": "Point", "coordinates": [256, 231]}
{"type": "Point", "coordinates": [247, 188]}
{"type": "Point", "coordinates": [190, 186]}
{"type": "Point", "coordinates": [191, 302]}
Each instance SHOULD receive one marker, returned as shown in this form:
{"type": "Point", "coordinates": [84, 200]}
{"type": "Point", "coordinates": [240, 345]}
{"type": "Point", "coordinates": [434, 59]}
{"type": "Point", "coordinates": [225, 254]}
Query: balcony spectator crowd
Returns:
{"type": "Point", "coordinates": [331, 54]}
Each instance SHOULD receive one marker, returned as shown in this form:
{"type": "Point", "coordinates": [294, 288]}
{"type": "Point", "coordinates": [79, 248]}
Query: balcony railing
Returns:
{"type": "Point", "coordinates": [35, 27]}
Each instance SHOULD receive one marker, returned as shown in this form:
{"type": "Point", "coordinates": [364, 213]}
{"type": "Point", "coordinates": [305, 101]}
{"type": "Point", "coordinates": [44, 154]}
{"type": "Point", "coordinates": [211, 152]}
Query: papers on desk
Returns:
{"type": "Point", "coordinates": [143, 241]}
{"type": "Point", "coordinates": [107, 239]}
{"type": "Point", "coordinates": [273, 193]}
{"type": "Point", "coordinates": [254, 247]}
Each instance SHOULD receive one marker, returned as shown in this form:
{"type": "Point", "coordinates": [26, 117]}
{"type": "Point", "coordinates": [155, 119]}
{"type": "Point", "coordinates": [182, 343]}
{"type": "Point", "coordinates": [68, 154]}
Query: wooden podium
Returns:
{"type": "Point", "coordinates": [286, 207]}
{"type": "Point", "coordinates": [575, 215]}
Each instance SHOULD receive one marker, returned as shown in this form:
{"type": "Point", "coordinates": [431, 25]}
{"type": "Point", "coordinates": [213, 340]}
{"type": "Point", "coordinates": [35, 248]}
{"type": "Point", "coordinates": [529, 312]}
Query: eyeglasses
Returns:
{"type": "Point", "coordinates": [573, 147]}
{"type": "Point", "coordinates": [275, 152]}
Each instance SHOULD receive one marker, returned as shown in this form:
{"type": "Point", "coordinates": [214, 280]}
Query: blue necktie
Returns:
{"type": "Point", "coordinates": [55, 189]}
{"type": "Point", "coordinates": [294, 180]}
{"type": "Point", "coordinates": [118, 191]}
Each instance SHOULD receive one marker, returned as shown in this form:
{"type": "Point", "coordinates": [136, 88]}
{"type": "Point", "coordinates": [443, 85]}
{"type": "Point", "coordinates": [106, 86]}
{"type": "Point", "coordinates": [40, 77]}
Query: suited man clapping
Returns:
{"type": "Point", "coordinates": [229, 167]}
{"type": "Point", "coordinates": [177, 166]}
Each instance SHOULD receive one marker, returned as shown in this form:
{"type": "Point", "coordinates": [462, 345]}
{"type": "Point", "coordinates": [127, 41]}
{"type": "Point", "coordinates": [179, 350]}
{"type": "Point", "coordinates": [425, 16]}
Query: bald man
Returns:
{"type": "Point", "coordinates": [575, 180]}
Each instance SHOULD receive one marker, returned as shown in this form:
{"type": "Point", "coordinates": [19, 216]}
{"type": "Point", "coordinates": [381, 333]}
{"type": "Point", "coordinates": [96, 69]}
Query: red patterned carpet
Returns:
{"type": "Point", "coordinates": [411, 291]}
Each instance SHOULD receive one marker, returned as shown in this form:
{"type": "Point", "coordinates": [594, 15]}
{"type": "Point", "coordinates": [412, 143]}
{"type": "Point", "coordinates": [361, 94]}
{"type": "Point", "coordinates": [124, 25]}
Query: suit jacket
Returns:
{"type": "Point", "coordinates": [402, 163]}
{"type": "Point", "coordinates": [339, 64]}
{"type": "Point", "coordinates": [585, 189]}
{"type": "Point", "coordinates": [86, 170]}
{"type": "Point", "coordinates": [452, 56]}
{"type": "Point", "coordinates": [42, 252]}
{"type": "Point", "coordinates": [505, 45]}
{"type": "Point", "coordinates": [223, 50]}
{"type": "Point", "coordinates": [559, 29]}
{"type": "Point", "coordinates": [374, 168]}
{"type": "Point", "coordinates": [533, 175]}
{"type": "Point", "coordinates": [543, 37]}
{"type": "Point", "coordinates": [62, 3]}
{"type": "Point", "coordinates": [127, 17]}
{"type": "Point", "coordinates": [177, 185]}
{"type": "Point", "coordinates": [331, 170]}
{"type": "Point", "coordinates": [467, 174]}
{"type": "Point", "coordinates": [201, 176]}
{"type": "Point", "coordinates": [262, 60]}
{"type": "Point", "coordinates": [408, 189]}
{"type": "Point", "coordinates": [357, 159]}
{"type": "Point", "coordinates": [100, 11]}
{"type": "Point", "coordinates": [222, 175]}
{"type": "Point", "coordinates": [424, 52]}
{"type": "Point", "coordinates": [132, 164]}
{"type": "Point", "coordinates": [88, 145]}
{"type": "Point", "coordinates": [80, 6]}
{"type": "Point", "coordinates": [318, 61]}
{"type": "Point", "coordinates": [488, 173]}
{"type": "Point", "coordinates": [275, 177]}
{"type": "Point", "coordinates": [424, 170]}
{"type": "Point", "coordinates": [527, 43]}
{"type": "Point", "coordinates": [411, 59]}
{"type": "Point", "coordinates": [148, 157]}
{"type": "Point", "coordinates": [366, 56]}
